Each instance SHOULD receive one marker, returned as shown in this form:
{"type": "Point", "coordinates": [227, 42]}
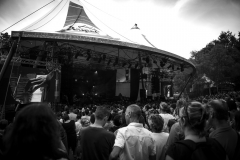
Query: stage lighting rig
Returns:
{"type": "Point", "coordinates": [100, 59]}
{"type": "Point", "coordinates": [109, 61]}
{"type": "Point", "coordinates": [104, 57]}
{"type": "Point", "coordinates": [136, 65]}
{"type": "Point", "coordinates": [88, 54]}
{"type": "Point", "coordinates": [130, 65]}
{"type": "Point", "coordinates": [182, 67]}
{"type": "Point", "coordinates": [147, 59]}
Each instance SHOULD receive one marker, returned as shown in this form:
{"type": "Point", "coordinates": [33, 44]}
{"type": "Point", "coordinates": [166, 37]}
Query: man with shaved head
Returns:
{"type": "Point", "coordinates": [134, 141]}
{"type": "Point", "coordinates": [223, 132]}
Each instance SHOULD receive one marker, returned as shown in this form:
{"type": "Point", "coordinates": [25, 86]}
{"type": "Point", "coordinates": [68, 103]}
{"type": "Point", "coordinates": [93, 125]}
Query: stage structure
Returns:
{"type": "Point", "coordinates": [70, 39]}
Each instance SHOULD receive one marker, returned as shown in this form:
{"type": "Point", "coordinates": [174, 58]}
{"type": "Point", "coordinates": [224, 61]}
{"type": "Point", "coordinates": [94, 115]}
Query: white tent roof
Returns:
{"type": "Point", "coordinates": [69, 21]}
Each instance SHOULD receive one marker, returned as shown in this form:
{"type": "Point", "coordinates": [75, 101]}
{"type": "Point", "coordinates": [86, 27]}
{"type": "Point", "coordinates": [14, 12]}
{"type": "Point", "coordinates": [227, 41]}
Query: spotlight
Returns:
{"type": "Point", "coordinates": [109, 61]}
{"type": "Point", "coordinates": [89, 55]}
{"type": "Point", "coordinates": [130, 65]}
{"type": "Point", "coordinates": [136, 65]}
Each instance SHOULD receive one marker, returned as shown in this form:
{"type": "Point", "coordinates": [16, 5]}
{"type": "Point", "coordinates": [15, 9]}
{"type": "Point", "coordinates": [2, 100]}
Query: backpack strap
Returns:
{"type": "Point", "coordinates": [188, 144]}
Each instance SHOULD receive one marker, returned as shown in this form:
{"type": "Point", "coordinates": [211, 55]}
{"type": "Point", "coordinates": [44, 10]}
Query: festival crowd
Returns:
{"type": "Point", "coordinates": [205, 128]}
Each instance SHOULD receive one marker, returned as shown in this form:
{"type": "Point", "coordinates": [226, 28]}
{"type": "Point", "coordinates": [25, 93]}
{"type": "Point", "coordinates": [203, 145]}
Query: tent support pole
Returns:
{"type": "Point", "coordinates": [185, 86]}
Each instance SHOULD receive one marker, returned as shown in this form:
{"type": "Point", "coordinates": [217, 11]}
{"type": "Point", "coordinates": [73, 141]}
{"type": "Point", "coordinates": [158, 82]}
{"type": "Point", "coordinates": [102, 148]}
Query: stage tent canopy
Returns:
{"type": "Point", "coordinates": [71, 24]}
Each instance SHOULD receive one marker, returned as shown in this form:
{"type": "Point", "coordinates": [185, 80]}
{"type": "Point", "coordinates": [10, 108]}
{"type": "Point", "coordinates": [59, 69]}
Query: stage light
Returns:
{"type": "Point", "coordinates": [130, 65]}
{"type": "Point", "coordinates": [95, 72]}
{"type": "Point", "coordinates": [95, 94]}
{"type": "Point", "coordinates": [83, 94]}
{"type": "Point", "coordinates": [89, 55]}
{"type": "Point", "coordinates": [109, 61]}
{"type": "Point", "coordinates": [136, 65]}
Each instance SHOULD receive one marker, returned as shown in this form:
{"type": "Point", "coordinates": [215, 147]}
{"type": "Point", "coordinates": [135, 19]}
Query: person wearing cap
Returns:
{"type": "Point", "coordinates": [164, 108]}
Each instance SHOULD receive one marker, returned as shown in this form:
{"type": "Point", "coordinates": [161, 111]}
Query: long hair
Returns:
{"type": "Point", "coordinates": [34, 135]}
{"type": "Point", "coordinates": [195, 117]}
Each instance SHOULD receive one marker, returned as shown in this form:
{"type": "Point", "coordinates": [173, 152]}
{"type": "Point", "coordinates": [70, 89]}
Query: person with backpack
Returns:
{"type": "Point", "coordinates": [195, 145]}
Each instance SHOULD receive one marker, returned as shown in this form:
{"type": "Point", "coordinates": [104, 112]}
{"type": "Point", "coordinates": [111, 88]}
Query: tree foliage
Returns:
{"type": "Point", "coordinates": [219, 60]}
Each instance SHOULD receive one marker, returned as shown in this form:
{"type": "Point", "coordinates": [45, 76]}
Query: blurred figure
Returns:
{"type": "Point", "coordinates": [156, 123]}
{"type": "Point", "coordinates": [117, 122]}
{"type": "Point", "coordinates": [164, 108]}
{"type": "Point", "coordinates": [35, 135]}
{"type": "Point", "coordinates": [72, 115]}
{"type": "Point", "coordinates": [70, 128]}
{"type": "Point", "coordinates": [223, 132]}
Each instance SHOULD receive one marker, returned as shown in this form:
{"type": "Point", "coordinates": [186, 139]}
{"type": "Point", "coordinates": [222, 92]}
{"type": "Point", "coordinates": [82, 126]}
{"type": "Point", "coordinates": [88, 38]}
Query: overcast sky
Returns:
{"type": "Point", "coordinates": [177, 26]}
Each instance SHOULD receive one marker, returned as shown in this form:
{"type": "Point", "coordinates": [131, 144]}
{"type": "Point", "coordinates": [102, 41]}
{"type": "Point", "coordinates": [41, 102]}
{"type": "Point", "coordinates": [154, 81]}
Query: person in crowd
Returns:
{"type": "Point", "coordinates": [87, 115]}
{"type": "Point", "coordinates": [78, 124]}
{"type": "Point", "coordinates": [96, 143]}
{"type": "Point", "coordinates": [223, 132]}
{"type": "Point", "coordinates": [34, 135]}
{"type": "Point", "coordinates": [117, 122]}
{"type": "Point", "coordinates": [72, 116]}
{"type": "Point", "coordinates": [156, 123]}
{"type": "Point", "coordinates": [180, 103]}
{"type": "Point", "coordinates": [133, 141]}
{"type": "Point", "coordinates": [59, 117]}
{"type": "Point", "coordinates": [171, 122]}
{"type": "Point", "coordinates": [70, 128]}
{"type": "Point", "coordinates": [165, 115]}
{"type": "Point", "coordinates": [195, 145]}
{"type": "Point", "coordinates": [109, 123]}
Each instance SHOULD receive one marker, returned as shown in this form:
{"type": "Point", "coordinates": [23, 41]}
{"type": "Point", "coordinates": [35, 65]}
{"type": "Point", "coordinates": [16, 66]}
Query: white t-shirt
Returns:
{"type": "Point", "coordinates": [166, 117]}
{"type": "Point", "coordinates": [160, 141]}
{"type": "Point", "coordinates": [136, 142]}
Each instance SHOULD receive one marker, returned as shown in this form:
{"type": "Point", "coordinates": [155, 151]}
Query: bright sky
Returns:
{"type": "Point", "coordinates": [177, 26]}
